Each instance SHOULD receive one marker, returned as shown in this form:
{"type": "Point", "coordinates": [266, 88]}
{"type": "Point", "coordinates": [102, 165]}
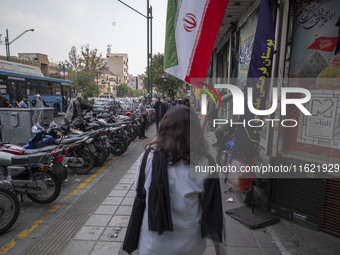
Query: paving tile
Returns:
{"type": "Point", "coordinates": [270, 251]}
{"type": "Point", "coordinates": [131, 193]}
{"type": "Point", "coordinates": [98, 220]}
{"type": "Point", "coordinates": [240, 236]}
{"type": "Point", "coordinates": [78, 248]}
{"type": "Point", "coordinates": [126, 180]}
{"type": "Point", "coordinates": [128, 201]}
{"type": "Point", "coordinates": [110, 232]}
{"type": "Point", "coordinates": [124, 210]}
{"type": "Point", "coordinates": [89, 233]}
{"type": "Point", "coordinates": [119, 221]}
{"type": "Point", "coordinates": [231, 251]}
{"type": "Point", "coordinates": [112, 201]}
{"type": "Point", "coordinates": [106, 209]}
{"type": "Point", "coordinates": [248, 251]}
{"type": "Point", "coordinates": [118, 193]}
{"type": "Point", "coordinates": [102, 248]}
{"type": "Point", "coordinates": [124, 186]}
{"type": "Point", "coordinates": [130, 176]}
{"type": "Point", "coordinates": [263, 238]}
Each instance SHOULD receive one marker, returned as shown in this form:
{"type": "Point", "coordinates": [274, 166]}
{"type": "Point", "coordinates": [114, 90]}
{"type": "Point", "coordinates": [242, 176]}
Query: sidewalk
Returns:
{"type": "Point", "coordinates": [104, 231]}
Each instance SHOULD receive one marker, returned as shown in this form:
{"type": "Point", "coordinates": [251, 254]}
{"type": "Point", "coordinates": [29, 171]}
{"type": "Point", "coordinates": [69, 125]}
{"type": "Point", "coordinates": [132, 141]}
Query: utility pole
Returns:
{"type": "Point", "coordinates": [150, 9]}
{"type": "Point", "coordinates": [149, 44]}
{"type": "Point", "coordinates": [8, 43]}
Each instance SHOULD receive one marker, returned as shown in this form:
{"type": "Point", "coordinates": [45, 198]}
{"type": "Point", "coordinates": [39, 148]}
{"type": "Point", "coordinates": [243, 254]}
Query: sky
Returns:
{"type": "Point", "coordinates": [59, 25]}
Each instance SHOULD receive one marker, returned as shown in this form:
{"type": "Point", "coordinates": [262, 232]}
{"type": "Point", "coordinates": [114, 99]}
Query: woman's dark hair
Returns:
{"type": "Point", "coordinates": [178, 131]}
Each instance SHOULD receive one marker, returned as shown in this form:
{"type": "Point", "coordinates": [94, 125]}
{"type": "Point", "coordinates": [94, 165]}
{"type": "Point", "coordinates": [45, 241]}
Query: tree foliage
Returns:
{"type": "Point", "coordinates": [124, 91]}
{"type": "Point", "coordinates": [85, 67]}
{"type": "Point", "coordinates": [164, 84]}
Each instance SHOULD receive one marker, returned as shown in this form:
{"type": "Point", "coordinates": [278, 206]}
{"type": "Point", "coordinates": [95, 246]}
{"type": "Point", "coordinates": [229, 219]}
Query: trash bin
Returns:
{"type": "Point", "coordinates": [17, 123]}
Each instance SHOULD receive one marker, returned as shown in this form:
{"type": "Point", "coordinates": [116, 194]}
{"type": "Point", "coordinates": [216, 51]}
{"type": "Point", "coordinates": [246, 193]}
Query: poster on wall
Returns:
{"type": "Point", "coordinates": [316, 44]}
{"type": "Point", "coordinates": [246, 41]}
{"type": "Point", "coordinates": [315, 65]}
{"type": "Point", "coordinates": [322, 128]}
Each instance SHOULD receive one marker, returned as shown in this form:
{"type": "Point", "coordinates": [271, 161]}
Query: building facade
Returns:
{"type": "Point", "coordinates": [133, 82]}
{"type": "Point", "coordinates": [118, 63]}
{"type": "Point", "coordinates": [307, 46]}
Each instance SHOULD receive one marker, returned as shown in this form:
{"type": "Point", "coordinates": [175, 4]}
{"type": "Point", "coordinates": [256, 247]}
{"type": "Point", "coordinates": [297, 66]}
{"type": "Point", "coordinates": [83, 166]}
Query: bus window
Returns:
{"type": "Point", "coordinates": [56, 89]}
{"type": "Point", "coordinates": [21, 90]}
{"type": "Point", "coordinates": [45, 88]}
{"type": "Point", "coordinates": [32, 87]}
{"type": "Point", "coordinates": [3, 85]}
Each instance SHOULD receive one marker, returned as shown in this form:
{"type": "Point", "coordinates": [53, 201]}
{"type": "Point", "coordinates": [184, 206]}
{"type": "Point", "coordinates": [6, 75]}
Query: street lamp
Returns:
{"type": "Point", "coordinates": [62, 66]}
{"type": "Point", "coordinates": [8, 43]}
{"type": "Point", "coordinates": [149, 45]}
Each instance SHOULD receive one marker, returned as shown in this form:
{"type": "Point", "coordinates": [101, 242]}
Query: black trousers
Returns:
{"type": "Point", "coordinates": [142, 126]}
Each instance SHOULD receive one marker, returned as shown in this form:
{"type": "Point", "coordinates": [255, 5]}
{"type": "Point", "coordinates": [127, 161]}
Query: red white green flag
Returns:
{"type": "Point", "coordinates": [191, 30]}
{"type": "Point", "coordinates": [63, 74]}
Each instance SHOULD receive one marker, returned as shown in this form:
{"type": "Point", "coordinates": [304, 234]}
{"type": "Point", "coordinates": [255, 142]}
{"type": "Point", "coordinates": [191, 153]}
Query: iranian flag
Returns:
{"type": "Point", "coordinates": [63, 74]}
{"type": "Point", "coordinates": [191, 30]}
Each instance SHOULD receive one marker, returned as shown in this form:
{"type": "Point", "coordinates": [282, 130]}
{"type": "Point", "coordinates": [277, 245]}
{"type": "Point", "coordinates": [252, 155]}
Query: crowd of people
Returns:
{"type": "Point", "coordinates": [24, 103]}
{"type": "Point", "coordinates": [161, 106]}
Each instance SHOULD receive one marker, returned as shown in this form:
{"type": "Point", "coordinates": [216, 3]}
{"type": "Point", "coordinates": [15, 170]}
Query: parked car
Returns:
{"type": "Point", "coordinates": [107, 96]}
{"type": "Point", "coordinates": [107, 105]}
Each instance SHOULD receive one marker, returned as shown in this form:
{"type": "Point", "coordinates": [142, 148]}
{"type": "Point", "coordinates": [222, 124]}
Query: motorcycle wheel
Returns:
{"type": "Point", "coordinates": [53, 188]}
{"type": "Point", "coordinates": [89, 160]}
{"type": "Point", "coordinates": [101, 155]}
{"type": "Point", "coordinates": [9, 209]}
{"type": "Point", "coordinates": [133, 134]}
{"type": "Point", "coordinates": [119, 146]}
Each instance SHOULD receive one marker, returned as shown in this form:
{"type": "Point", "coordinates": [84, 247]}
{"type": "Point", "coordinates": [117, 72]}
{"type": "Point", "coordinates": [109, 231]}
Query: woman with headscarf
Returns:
{"type": "Point", "coordinates": [181, 211]}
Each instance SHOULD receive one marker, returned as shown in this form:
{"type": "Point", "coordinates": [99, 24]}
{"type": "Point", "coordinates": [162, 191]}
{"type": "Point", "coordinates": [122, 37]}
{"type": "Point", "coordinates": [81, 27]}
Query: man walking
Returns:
{"type": "Point", "coordinates": [143, 118]}
{"type": "Point", "coordinates": [166, 104]}
{"type": "Point", "coordinates": [159, 111]}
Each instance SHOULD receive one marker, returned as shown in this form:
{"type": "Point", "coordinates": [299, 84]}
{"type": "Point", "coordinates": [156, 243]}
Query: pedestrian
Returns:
{"type": "Point", "coordinates": [186, 102]}
{"type": "Point", "coordinates": [143, 113]}
{"type": "Point", "coordinates": [4, 103]}
{"type": "Point", "coordinates": [159, 111]}
{"type": "Point", "coordinates": [24, 102]}
{"type": "Point", "coordinates": [173, 102]}
{"type": "Point", "coordinates": [79, 108]}
{"type": "Point", "coordinates": [166, 104]}
{"type": "Point", "coordinates": [180, 211]}
{"type": "Point", "coordinates": [43, 103]}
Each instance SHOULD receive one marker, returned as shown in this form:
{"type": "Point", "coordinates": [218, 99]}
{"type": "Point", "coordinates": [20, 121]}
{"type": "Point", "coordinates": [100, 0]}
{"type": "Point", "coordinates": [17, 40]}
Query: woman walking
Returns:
{"type": "Point", "coordinates": [181, 211]}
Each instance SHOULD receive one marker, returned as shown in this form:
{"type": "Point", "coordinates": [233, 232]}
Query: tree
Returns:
{"type": "Point", "coordinates": [74, 59]}
{"type": "Point", "coordinates": [91, 60]}
{"type": "Point", "coordinates": [85, 67]}
{"type": "Point", "coordinates": [162, 82]}
{"type": "Point", "coordinates": [124, 91]}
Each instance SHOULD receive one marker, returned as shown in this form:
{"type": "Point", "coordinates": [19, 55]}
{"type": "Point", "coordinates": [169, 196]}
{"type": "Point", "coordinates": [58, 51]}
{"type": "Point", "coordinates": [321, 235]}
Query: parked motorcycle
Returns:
{"type": "Point", "coordinates": [9, 209]}
{"type": "Point", "coordinates": [29, 175]}
{"type": "Point", "coordinates": [55, 166]}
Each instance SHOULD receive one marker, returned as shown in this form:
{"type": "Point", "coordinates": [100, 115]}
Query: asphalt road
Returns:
{"type": "Point", "coordinates": [37, 221]}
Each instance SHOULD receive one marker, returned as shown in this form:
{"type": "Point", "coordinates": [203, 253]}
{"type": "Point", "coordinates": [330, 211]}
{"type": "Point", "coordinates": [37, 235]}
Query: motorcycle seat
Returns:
{"type": "Point", "coordinates": [69, 140]}
{"type": "Point", "coordinates": [104, 124]}
{"type": "Point", "coordinates": [43, 149]}
{"type": "Point", "coordinates": [89, 134]}
{"type": "Point", "coordinates": [36, 158]}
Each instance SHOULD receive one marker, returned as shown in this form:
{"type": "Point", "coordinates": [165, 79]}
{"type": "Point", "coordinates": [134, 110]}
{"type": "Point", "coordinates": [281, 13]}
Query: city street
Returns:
{"type": "Point", "coordinates": [92, 213]}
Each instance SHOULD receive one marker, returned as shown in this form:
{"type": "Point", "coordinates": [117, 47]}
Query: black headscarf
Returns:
{"type": "Point", "coordinates": [159, 209]}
